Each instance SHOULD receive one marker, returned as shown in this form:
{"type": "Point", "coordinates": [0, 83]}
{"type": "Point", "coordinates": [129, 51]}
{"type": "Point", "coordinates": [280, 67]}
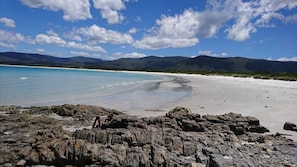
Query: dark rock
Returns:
{"type": "Point", "coordinates": [212, 118]}
{"type": "Point", "coordinates": [190, 125]}
{"type": "Point", "coordinates": [258, 129]}
{"type": "Point", "coordinates": [180, 138]}
{"type": "Point", "coordinates": [181, 113]}
{"type": "Point", "coordinates": [290, 126]}
{"type": "Point", "coordinates": [217, 160]}
{"type": "Point", "coordinates": [79, 111]}
{"type": "Point", "coordinates": [189, 149]}
{"type": "Point", "coordinates": [238, 130]}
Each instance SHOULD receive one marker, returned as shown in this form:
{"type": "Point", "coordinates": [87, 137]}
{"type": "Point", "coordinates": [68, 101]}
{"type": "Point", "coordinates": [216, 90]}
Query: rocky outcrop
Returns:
{"type": "Point", "coordinates": [290, 126]}
{"type": "Point", "coordinates": [180, 138]}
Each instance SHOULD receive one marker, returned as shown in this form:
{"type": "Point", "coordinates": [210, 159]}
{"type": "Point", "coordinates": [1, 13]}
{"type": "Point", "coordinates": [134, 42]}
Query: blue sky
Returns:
{"type": "Point", "coordinates": [112, 29]}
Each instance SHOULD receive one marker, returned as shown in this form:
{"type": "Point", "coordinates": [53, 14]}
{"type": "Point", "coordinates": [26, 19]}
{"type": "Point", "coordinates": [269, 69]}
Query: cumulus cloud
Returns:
{"type": "Point", "coordinates": [287, 59]}
{"type": "Point", "coordinates": [182, 30]}
{"type": "Point", "coordinates": [85, 54]}
{"type": "Point", "coordinates": [49, 39]}
{"type": "Point", "coordinates": [72, 36]}
{"type": "Point", "coordinates": [132, 31]}
{"type": "Point", "coordinates": [224, 54]}
{"type": "Point", "coordinates": [110, 10]}
{"type": "Point", "coordinates": [251, 15]}
{"type": "Point", "coordinates": [210, 53]}
{"type": "Point", "coordinates": [290, 19]}
{"type": "Point", "coordinates": [7, 22]}
{"type": "Point", "coordinates": [243, 18]}
{"type": "Point", "coordinates": [8, 39]}
{"type": "Point", "coordinates": [241, 30]}
{"type": "Point", "coordinates": [101, 35]}
{"type": "Point", "coordinates": [93, 48]}
{"type": "Point", "coordinates": [7, 45]}
{"type": "Point", "coordinates": [73, 10]}
{"type": "Point", "coordinates": [39, 50]}
{"type": "Point", "coordinates": [80, 53]}
{"type": "Point", "coordinates": [119, 55]}
{"type": "Point", "coordinates": [11, 37]}
{"type": "Point", "coordinates": [157, 42]}
{"type": "Point", "coordinates": [54, 39]}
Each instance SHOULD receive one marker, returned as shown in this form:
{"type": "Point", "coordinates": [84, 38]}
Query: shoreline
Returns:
{"type": "Point", "coordinates": [273, 102]}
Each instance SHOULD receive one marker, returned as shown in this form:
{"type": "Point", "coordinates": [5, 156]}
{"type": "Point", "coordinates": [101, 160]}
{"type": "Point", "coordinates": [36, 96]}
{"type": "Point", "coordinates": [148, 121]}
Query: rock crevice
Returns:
{"type": "Point", "coordinates": [180, 138]}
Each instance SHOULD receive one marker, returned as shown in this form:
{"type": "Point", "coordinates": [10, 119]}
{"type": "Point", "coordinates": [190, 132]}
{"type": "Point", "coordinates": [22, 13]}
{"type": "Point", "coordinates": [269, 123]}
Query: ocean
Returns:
{"type": "Point", "coordinates": [40, 86]}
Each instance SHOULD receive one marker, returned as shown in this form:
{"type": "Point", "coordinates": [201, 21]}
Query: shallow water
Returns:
{"type": "Point", "coordinates": [28, 86]}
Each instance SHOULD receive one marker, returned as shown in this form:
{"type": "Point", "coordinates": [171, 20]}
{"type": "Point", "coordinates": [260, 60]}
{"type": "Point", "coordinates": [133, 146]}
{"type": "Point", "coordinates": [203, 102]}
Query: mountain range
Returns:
{"type": "Point", "coordinates": [199, 64]}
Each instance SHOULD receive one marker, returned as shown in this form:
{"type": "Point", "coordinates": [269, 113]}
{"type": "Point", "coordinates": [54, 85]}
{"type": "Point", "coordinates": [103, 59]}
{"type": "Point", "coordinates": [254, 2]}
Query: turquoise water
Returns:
{"type": "Point", "coordinates": [36, 86]}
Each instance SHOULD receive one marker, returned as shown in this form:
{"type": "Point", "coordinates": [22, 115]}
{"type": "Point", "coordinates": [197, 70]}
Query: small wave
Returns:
{"type": "Point", "coordinates": [23, 78]}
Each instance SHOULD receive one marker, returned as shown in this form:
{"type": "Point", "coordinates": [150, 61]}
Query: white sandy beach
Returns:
{"type": "Point", "coordinates": [273, 102]}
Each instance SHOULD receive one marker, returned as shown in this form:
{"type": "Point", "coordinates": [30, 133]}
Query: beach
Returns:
{"type": "Point", "coordinates": [273, 102]}
{"type": "Point", "coordinates": [221, 120]}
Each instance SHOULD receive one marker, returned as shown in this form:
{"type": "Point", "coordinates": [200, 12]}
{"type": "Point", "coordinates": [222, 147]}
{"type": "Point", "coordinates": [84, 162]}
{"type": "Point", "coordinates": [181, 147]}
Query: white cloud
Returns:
{"type": "Point", "coordinates": [182, 30]}
{"type": "Point", "coordinates": [119, 55]}
{"type": "Point", "coordinates": [73, 10]}
{"type": "Point", "coordinates": [85, 54]}
{"type": "Point", "coordinates": [39, 50]}
{"type": "Point", "coordinates": [72, 35]}
{"type": "Point", "coordinates": [80, 53]}
{"type": "Point", "coordinates": [11, 37]}
{"type": "Point", "coordinates": [269, 58]}
{"type": "Point", "coordinates": [85, 47]}
{"type": "Point", "coordinates": [7, 22]}
{"type": "Point", "coordinates": [7, 45]}
{"type": "Point", "coordinates": [250, 15]}
{"type": "Point", "coordinates": [157, 42]}
{"type": "Point", "coordinates": [132, 31]}
{"type": "Point", "coordinates": [290, 19]}
{"type": "Point", "coordinates": [287, 59]}
{"type": "Point", "coordinates": [52, 33]}
{"type": "Point", "coordinates": [54, 39]}
{"type": "Point", "coordinates": [224, 54]}
{"type": "Point", "coordinates": [102, 35]}
{"type": "Point", "coordinates": [266, 18]}
{"type": "Point", "coordinates": [110, 10]}
{"type": "Point", "coordinates": [241, 30]}
{"type": "Point", "coordinates": [49, 39]}
{"type": "Point", "coordinates": [243, 18]}
{"type": "Point", "coordinates": [210, 53]}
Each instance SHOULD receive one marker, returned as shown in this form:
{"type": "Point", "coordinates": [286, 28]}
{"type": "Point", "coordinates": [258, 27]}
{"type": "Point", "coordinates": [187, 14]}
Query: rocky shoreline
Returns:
{"type": "Point", "coordinates": [39, 136]}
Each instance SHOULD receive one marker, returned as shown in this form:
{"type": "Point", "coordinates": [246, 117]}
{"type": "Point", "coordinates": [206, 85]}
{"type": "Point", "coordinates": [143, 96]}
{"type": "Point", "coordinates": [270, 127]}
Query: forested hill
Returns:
{"type": "Point", "coordinates": [199, 64]}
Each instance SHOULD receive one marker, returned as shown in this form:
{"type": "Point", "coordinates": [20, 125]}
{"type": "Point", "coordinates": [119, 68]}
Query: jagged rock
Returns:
{"type": "Point", "coordinates": [212, 118]}
{"type": "Point", "coordinates": [79, 111]}
{"type": "Point", "coordinates": [190, 125]}
{"type": "Point", "coordinates": [181, 138]}
{"type": "Point", "coordinates": [181, 113]}
{"type": "Point", "coordinates": [290, 126]}
{"type": "Point", "coordinates": [258, 129]}
{"type": "Point", "coordinates": [238, 130]}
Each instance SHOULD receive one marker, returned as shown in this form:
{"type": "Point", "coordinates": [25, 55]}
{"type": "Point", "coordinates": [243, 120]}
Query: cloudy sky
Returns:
{"type": "Point", "coordinates": [111, 29]}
